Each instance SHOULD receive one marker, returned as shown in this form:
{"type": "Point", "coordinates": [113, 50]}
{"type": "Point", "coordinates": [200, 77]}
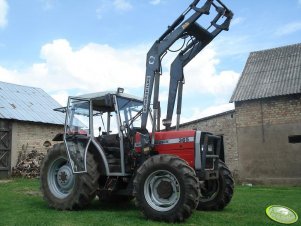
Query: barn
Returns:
{"type": "Point", "coordinates": [262, 136]}
{"type": "Point", "coordinates": [27, 122]}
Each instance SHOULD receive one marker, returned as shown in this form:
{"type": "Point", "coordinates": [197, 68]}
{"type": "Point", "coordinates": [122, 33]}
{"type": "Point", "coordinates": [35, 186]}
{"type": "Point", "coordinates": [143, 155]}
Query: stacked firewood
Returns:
{"type": "Point", "coordinates": [28, 165]}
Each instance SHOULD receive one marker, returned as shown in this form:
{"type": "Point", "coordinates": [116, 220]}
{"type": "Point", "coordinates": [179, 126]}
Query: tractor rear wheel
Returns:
{"type": "Point", "coordinates": [61, 188]}
{"type": "Point", "coordinates": [217, 194]}
{"type": "Point", "coordinates": [166, 188]}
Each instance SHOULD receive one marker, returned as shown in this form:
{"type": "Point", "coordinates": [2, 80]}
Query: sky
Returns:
{"type": "Point", "coordinates": [69, 47]}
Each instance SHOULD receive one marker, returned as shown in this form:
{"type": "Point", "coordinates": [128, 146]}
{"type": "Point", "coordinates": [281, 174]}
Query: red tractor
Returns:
{"type": "Point", "coordinates": [107, 150]}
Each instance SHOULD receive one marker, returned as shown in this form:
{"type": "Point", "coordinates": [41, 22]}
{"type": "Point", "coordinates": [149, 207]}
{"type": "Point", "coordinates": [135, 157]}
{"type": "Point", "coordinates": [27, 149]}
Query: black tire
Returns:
{"type": "Point", "coordinates": [71, 191]}
{"type": "Point", "coordinates": [155, 184]}
{"type": "Point", "coordinates": [217, 194]}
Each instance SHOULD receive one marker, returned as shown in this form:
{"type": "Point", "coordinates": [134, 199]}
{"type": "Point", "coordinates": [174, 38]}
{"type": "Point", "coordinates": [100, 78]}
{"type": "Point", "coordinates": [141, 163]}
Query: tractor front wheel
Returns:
{"type": "Point", "coordinates": [217, 194]}
{"type": "Point", "coordinates": [61, 188]}
{"type": "Point", "coordinates": [166, 188]}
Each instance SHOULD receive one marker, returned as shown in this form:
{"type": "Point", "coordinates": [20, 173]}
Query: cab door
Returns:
{"type": "Point", "coordinates": [78, 133]}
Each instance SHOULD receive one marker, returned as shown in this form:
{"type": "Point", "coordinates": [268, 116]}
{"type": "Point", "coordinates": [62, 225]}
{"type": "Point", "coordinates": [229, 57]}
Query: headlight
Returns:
{"type": "Point", "coordinates": [210, 148]}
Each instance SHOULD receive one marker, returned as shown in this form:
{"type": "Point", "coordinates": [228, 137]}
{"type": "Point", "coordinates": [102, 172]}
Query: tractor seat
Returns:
{"type": "Point", "coordinates": [113, 151]}
{"type": "Point", "coordinates": [110, 144]}
{"type": "Point", "coordinates": [111, 140]}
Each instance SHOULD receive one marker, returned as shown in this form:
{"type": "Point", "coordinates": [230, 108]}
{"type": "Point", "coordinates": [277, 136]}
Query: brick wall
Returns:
{"type": "Point", "coordinates": [28, 136]}
{"type": "Point", "coordinates": [263, 127]}
{"type": "Point", "coordinates": [221, 124]}
{"type": "Point", "coordinates": [270, 111]}
{"type": "Point", "coordinates": [256, 139]}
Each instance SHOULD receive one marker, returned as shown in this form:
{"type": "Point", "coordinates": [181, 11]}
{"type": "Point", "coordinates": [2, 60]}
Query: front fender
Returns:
{"type": "Point", "coordinates": [58, 137]}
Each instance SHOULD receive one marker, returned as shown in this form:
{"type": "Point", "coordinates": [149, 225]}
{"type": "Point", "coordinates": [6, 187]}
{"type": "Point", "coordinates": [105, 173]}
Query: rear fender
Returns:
{"type": "Point", "coordinates": [93, 146]}
{"type": "Point", "coordinates": [104, 163]}
{"type": "Point", "coordinates": [79, 163]}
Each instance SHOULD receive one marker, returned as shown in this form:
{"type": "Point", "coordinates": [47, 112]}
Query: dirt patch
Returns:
{"type": "Point", "coordinates": [33, 193]}
{"type": "Point", "coordinates": [29, 192]}
{"type": "Point", "coordinates": [5, 181]}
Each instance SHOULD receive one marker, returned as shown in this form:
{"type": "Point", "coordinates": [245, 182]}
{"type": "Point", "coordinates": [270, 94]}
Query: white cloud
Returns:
{"type": "Point", "coordinates": [289, 28]}
{"type": "Point", "coordinates": [91, 68]}
{"type": "Point", "coordinates": [201, 79]}
{"type": "Point", "coordinates": [61, 97]}
{"type": "Point", "coordinates": [122, 5]}
{"type": "Point", "coordinates": [155, 2]}
{"type": "Point", "coordinates": [3, 13]}
{"type": "Point", "coordinates": [201, 75]}
{"type": "Point", "coordinates": [212, 110]}
{"type": "Point", "coordinates": [95, 67]}
{"type": "Point", "coordinates": [7, 75]}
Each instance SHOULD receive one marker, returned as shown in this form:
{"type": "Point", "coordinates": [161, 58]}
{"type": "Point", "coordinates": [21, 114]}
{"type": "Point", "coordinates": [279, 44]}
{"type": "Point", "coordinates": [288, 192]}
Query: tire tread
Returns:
{"type": "Point", "coordinates": [191, 186]}
{"type": "Point", "coordinates": [87, 183]}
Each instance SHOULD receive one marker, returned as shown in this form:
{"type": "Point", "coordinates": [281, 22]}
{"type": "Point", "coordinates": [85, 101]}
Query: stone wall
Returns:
{"type": "Point", "coordinates": [263, 127]}
{"type": "Point", "coordinates": [276, 110]}
{"type": "Point", "coordinates": [256, 139]}
{"type": "Point", "coordinates": [27, 136]}
{"type": "Point", "coordinates": [220, 124]}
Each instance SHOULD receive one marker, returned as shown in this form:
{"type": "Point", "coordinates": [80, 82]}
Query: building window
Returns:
{"type": "Point", "coordinates": [294, 139]}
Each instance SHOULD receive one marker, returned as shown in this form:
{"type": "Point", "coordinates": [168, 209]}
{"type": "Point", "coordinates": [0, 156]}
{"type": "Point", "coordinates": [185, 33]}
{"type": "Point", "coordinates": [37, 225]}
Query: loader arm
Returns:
{"type": "Point", "coordinates": [185, 25]}
{"type": "Point", "coordinates": [183, 58]}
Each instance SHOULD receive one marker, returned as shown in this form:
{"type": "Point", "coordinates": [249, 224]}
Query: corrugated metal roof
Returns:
{"type": "Point", "coordinates": [28, 104]}
{"type": "Point", "coordinates": [268, 73]}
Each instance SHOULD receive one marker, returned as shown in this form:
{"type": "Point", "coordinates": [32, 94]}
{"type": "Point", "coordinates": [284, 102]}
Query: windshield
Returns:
{"type": "Point", "coordinates": [78, 117]}
{"type": "Point", "coordinates": [130, 112]}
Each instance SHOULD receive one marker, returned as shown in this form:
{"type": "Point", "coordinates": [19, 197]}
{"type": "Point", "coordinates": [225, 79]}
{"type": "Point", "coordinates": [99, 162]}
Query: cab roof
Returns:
{"type": "Point", "coordinates": [100, 95]}
{"type": "Point", "coordinates": [100, 99]}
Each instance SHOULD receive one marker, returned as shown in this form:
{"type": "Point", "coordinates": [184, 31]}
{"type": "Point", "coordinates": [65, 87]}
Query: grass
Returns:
{"type": "Point", "coordinates": [21, 204]}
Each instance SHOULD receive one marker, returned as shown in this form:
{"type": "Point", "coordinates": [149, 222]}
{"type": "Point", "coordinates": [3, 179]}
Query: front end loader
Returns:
{"type": "Point", "coordinates": [107, 151]}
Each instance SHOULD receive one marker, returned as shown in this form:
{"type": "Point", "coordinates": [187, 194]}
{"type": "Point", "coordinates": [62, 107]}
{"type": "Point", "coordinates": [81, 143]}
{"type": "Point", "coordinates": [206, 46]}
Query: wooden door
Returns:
{"type": "Point", "coordinates": [5, 148]}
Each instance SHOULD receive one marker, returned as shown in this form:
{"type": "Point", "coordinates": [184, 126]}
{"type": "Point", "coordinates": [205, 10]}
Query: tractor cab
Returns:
{"type": "Point", "coordinates": [104, 121]}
